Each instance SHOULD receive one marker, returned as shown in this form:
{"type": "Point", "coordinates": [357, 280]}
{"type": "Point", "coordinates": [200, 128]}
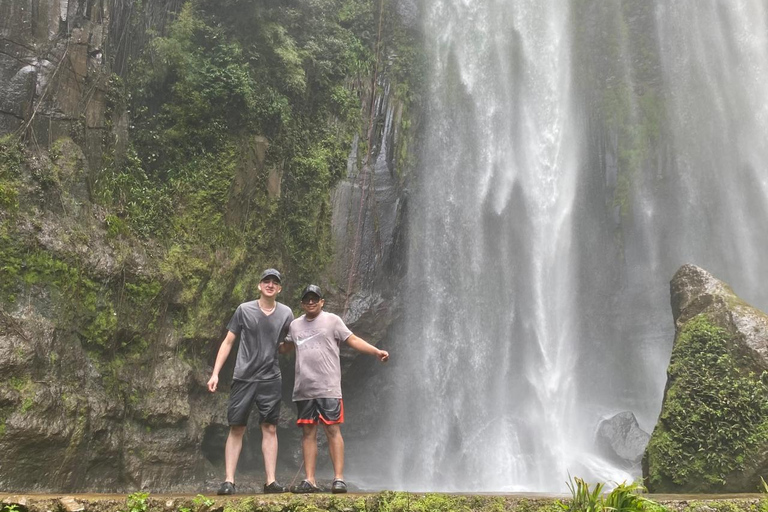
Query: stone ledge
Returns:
{"type": "Point", "coordinates": [353, 502]}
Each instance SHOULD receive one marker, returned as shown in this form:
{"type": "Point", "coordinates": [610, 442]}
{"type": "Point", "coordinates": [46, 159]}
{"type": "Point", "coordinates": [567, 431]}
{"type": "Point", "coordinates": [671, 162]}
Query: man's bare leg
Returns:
{"type": "Point", "coordinates": [232, 450]}
{"type": "Point", "coordinates": [269, 450]}
{"type": "Point", "coordinates": [336, 449]}
{"type": "Point", "coordinates": [309, 448]}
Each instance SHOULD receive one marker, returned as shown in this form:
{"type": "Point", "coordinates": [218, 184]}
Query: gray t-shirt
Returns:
{"type": "Point", "coordinates": [260, 336]}
{"type": "Point", "coordinates": [318, 369]}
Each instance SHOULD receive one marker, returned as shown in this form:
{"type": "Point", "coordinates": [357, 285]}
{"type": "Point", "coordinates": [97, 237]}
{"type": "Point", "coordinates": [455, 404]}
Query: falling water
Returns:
{"type": "Point", "coordinates": [577, 153]}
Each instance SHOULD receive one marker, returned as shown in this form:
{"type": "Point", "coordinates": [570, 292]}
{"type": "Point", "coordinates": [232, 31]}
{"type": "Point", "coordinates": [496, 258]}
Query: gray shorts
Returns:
{"type": "Point", "coordinates": [265, 394]}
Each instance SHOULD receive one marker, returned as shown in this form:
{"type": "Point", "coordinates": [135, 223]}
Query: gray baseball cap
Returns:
{"type": "Point", "coordinates": [271, 272]}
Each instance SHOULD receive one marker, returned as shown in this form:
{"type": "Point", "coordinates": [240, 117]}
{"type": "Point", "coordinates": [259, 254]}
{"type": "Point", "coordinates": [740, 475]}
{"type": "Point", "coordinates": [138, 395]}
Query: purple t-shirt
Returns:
{"type": "Point", "coordinates": [318, 369]}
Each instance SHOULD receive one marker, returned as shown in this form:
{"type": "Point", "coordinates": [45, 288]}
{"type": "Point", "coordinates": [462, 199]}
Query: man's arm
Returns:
{"type": "Point", "coordinates": [286, 347]}
{"type": "Point", "coordinates": [221, 358]}
{"type": "Point", "coordinates": [363, 346]}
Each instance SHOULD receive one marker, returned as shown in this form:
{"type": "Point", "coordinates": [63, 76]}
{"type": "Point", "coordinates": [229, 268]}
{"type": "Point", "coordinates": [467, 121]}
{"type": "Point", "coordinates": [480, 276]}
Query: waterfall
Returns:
{"type": "Point", "coordinates": [576, 154]}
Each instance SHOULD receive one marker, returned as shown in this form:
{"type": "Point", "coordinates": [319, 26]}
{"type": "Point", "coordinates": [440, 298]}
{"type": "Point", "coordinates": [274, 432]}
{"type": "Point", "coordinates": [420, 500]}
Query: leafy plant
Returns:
{"type": "Point", "coordinates": [626, 498]}
{"type": "Point", "coordinates": [137, 502]}
{"type": "Point", "coordinates": [582, 498]}
{"type": "Point", "coordinates": [622, 498]}
{"type": "Point", "coordinates": [202, 501]}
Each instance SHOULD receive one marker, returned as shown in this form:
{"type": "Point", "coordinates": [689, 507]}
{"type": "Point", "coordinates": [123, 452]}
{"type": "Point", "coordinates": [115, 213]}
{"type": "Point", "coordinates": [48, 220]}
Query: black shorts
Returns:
{"type": "Point", "coordinates": [266, 394]}
{"type": "Point", "coordinates": [329, 411]}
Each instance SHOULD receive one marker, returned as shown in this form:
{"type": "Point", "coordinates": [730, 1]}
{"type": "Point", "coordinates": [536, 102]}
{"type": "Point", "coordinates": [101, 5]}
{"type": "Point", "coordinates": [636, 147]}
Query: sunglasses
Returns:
{"type": "Point", "coordinates": [310, 300]}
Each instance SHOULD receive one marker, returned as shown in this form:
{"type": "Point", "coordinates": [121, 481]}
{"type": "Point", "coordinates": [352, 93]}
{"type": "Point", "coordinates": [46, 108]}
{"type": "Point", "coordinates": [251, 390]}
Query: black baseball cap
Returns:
{"type": "Point", "coordinates": [312, 288]}
{"type": "Point", "coordinates": [273, 273]}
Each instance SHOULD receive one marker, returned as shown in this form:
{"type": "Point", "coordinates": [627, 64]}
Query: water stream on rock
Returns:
{"type": "Point", "coordinates": [577, 153]}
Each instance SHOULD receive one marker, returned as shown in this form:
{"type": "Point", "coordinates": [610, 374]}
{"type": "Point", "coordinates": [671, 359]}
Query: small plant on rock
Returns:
{"type": "Point", "coordinates": [200, 502]}
{"type": "Point", "coordinates": [623, 498]}
{"type": "Point", "coordinates": [137, 502]}
{"type": "Point", "coordinates": [583, 499]}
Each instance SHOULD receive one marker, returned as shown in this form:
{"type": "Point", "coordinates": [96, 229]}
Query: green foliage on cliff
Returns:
{"type": "Point", "coordinates": [106, 316]}
{"type": "Point", "coordinates": [11, 159]}
{"type": "Point", "coordinates": [11, 162]}
{"type": "Point", "coordinates": [224, 140]}
{"type": "Point", "coordinates": [238, 95]}
{"type": "Point", "coordinates": [714, 415]}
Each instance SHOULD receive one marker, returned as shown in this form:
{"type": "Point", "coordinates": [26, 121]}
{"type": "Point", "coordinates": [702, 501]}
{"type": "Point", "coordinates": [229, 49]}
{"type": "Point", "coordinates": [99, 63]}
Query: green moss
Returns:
{"type": "Point", "coordinates": [19, 383]}
{"type": "Point", "coordinates": [107, 315]}
{"type": "Point", "coordinates": [115, 226]}
{"type": "Point", "coordinates": [27, 403]}
{"type": "Point", "coordinates": [715, 414]}
{"type": "Point", "coordinates": [11, 162]}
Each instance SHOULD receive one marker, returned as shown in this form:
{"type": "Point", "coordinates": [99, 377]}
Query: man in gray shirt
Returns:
{"type": "Point", "coordinates": [262, 325]}
{"type": "Point", "coordinates": [316, 337]}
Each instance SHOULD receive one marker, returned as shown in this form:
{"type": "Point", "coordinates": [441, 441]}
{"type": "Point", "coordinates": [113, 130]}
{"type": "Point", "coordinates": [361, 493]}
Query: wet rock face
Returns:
{"type": "Point", "coordinates": [710, 436]}
{"type": "Point", "coordinates": [65, 427]}
{"type": "Point", "coordinates": [52, 70]}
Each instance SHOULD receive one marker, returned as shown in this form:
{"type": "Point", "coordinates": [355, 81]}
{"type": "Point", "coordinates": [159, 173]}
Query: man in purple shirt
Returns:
{"type": "Point", "coordinates": [317, 336]}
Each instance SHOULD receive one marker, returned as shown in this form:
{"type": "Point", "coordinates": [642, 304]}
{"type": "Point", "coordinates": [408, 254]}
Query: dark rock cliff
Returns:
{"type": "Point", "coordinates": [80, 410]}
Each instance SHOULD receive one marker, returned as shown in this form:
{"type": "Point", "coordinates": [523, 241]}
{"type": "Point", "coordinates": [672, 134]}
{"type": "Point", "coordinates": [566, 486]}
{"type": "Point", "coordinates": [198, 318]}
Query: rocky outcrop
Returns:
{"type": "Point", "coordinates": [620, 439]}
{"type": "Point", "coordinates": [712, 434]}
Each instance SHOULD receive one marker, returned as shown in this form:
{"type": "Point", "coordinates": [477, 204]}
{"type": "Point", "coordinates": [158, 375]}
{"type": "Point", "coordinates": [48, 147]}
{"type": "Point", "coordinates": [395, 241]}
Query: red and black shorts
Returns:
{"type": "Point", "coordinates": [328, 411]}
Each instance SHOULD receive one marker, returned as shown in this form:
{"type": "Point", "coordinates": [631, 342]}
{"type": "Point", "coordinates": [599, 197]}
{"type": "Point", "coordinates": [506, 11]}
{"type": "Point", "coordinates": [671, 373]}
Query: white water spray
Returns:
{"type": "Point", "coordinates": [532, 313]}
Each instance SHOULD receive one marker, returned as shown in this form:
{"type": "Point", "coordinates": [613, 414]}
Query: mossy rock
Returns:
{"type": "Point", "coordinates": [712, 434]}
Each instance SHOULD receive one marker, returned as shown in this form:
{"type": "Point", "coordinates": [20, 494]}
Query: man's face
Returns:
{"type": "Point", "coordinates": [312, 304]}
{"type": "Point", "coordinates": [270, 287]}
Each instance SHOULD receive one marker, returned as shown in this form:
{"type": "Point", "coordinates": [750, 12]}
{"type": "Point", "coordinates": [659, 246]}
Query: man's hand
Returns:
{"type": "Point", "coordinates": [383, 356]}
{"type": "Point", "coordinates": [213, 382]}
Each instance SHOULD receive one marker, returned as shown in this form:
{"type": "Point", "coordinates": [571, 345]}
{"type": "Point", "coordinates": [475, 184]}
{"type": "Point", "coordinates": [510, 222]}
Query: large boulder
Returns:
{"type": "Point", "coordinates": [621, 439]}
{"type": "Point", "coordinates": [712, 434]}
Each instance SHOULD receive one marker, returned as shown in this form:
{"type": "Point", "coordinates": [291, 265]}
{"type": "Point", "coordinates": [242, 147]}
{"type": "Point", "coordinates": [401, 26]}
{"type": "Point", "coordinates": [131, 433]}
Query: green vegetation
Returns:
{"type": "Point", "coordinates": [202, 501]}
{"type": "Point", "coordinates": [714, 414]}
{"type": "Point", "coordinates": [623, 498]}
{"type": "Point", "coordinates": [406, 502]}
{"type": "Point", "coordinates": [11, 161]}
{"type": "Point", "coordinates": [225, 135]}
{"type": "Point", "coordinates": [105, 315]}
{"type": "Point", "coordinates": [137, 502]}
{"type": "Point", "coordinates": [242, 117]}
